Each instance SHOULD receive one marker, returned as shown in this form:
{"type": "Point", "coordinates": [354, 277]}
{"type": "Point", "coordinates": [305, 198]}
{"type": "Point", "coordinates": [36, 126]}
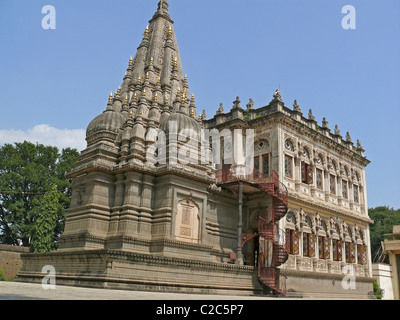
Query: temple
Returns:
{"type": "Point", "coordinates": [251, 201]}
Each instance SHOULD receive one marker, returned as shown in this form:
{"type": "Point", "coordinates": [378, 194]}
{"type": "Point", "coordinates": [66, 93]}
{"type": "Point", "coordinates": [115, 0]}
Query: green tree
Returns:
{"type": "Point", "coordinates": [27, 174]}
{"type": "Point", "coordinates": [384, 220]}
{"type": "Point", "coordinates": [46, 213]}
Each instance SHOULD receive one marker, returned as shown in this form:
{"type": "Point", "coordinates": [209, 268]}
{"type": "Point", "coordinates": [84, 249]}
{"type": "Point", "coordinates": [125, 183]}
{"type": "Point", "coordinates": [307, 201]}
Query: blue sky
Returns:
{"type": "Point", "coordinates": [54, 82]}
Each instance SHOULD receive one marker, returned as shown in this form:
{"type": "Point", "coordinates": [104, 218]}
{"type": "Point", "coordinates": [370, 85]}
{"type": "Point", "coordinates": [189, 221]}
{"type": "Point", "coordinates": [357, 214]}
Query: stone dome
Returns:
{"type": "Point", "coordinates": [109, 120]}
{"type": "Point", "coordinates": [185, 125]}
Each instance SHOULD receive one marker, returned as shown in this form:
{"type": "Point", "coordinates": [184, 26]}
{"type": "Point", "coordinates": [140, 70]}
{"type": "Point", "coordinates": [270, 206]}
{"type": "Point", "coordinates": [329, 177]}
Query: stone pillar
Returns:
{"type": "Point", "coordinates": [118, 202]}
{"type": "Point", "coordinates": [128, 225]}
{"type": "Point", "coordinates": [240, 226]}
{"type": "Point", "coordinates": [394, 261]}
{"type": "Point", "coordinates": [146, 206]}
{"type": "Point", "coordinates": [327, 187]}
{"type": "Point", "coordinates": [297, 173]}
{"type": "Point", "coordinates": [339, 190]}
{"type": "Point", "coordinates": [350, 188]}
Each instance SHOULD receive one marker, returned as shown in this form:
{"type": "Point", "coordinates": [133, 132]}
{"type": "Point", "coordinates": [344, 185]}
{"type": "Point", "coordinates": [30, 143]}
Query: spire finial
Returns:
{"type": "Point", "coordinates": [110, 97]}
{"type": "Point", "coordinates": [170, 30]}
{"type": "Point", "coordinates": [146, 32]}
{"type": "Point", "coordinates": [130, 61]}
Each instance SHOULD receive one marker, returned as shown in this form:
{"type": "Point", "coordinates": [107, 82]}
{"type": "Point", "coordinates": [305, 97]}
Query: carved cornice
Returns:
{"type": "Point", "coordinates": [333, 210]}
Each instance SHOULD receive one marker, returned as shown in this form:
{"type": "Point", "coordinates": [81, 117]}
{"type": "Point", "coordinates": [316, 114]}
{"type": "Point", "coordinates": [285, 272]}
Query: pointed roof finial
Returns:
{"type": "Point", "coordinates": [337, 131]}
{"type": "Point", "coordinates": [170, 30]}
{"type": "Point", "coordinates": [151, 61]}
{"type": "Point", "coordinates": [175, 62]}
{"type": "Point", "coordinates": [130, 61]}
{"type": "Point", "coordinates": [110, 97]}
{"type": "Point", "coordinates": [146, 32]}
{"type": "Point", "coordinates": [348, 137]}
{"type": "Point", "coordinates": [131, 115]}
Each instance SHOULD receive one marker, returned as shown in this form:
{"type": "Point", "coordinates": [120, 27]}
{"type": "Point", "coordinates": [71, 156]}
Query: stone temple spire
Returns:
{"type": "Point", "coordinates": [155, 72]}
{"type": "Point", "coordinates": [158, 54]}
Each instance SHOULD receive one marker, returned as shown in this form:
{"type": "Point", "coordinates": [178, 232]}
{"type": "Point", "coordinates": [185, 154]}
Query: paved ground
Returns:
{"type": "Point", "coordinates": [29, 291]}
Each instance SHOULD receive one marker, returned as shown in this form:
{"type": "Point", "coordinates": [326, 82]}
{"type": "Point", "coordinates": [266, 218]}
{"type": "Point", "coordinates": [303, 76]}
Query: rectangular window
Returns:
{"type": "Point", "coordinates": [306, 173]}
{"type": "Point", "coordinates": [347, 251]}
{"type": "Point", "coordinates": [303, 172]}
{"type": "Point", "coordinates": [321, 247]}
{"type": "Point", "coordinates": [327, 248]}
{"type": "Point", "coordinates": [361, 254]}
{"type": "Point", "coordinates": [311, 244]}
{"type": "Point", "coordinates": [337, 250]}
{"type": "Point", "coordinates": [319, 175]}
{"type": "Point", "coordinates": [355, 190]}
{"type": "Point", "coordinates": [256, 171]}
{"type": "Point", "coordinates": [306, 252]}
{"type": "Point", "coordinates": [265, 161]}
{"type": "Point", "coordinates": [334, 248]}
{"type": "Point", "coordinates": [295, 242]}
{"type": "Point", "coordinates": [352, 253]}
{"type": "Point", "coordinates": [288, 167]}
{"type": "Point", "coordinates": [344, 189]}
{"type": "Point", "coordinates": [292, 241]}
{"type": "Point", "coordinates": [332, 184]}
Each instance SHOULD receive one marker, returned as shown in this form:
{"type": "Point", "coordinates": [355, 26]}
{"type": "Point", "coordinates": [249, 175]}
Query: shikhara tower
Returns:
{"type": "Point", "coordinates": [287, 227]}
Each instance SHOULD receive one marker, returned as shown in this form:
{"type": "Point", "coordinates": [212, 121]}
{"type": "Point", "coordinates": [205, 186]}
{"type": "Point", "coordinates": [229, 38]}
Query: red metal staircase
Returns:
{"type": "Point", "coordinates": [272, 249]}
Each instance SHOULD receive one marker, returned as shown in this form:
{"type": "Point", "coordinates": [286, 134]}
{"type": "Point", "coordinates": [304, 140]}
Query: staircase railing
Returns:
{"type": "Point", "coordinates": [267, 228]}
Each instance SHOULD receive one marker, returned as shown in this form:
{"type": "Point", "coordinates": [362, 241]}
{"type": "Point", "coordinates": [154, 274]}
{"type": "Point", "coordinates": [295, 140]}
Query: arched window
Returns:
{"type": "Point", "coordinates": [288, 160]}
{"type": "Point", "coordinates": [306, 169]}
{"type": "Point", "coordinates": [319, 172]}
{"type": "Point", "coordinates": [332, 177]}
{"type": "Point", "coordinates": [292, 235]}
